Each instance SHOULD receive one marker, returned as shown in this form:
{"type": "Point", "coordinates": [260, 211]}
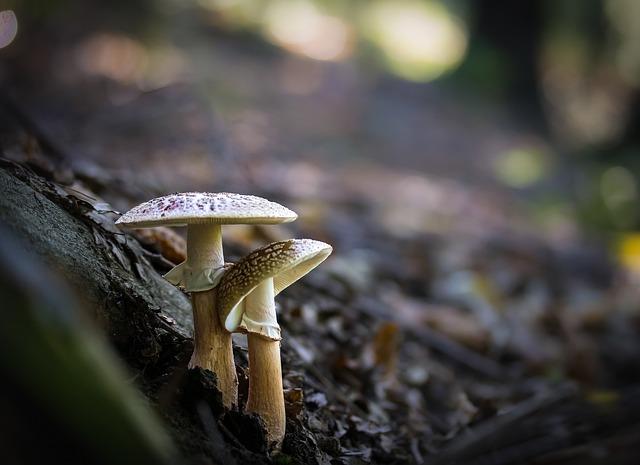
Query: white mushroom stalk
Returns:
{"type": "Point", "coordinates": [246, 303]}
{"type": "Point", "coordinates": [204, 214]}
{"type": "Point", "coordinates": [198, 274]}
{"type": "Point", "coordinates": [202, 269]}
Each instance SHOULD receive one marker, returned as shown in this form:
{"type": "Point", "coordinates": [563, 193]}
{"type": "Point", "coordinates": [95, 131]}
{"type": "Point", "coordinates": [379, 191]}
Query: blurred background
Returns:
{"type": "Point", "coordinates": [485, 114]}
{"type": "Point", "coordinates": [475, 164]}
{"type": "Point", "coordinates": [530, 109]}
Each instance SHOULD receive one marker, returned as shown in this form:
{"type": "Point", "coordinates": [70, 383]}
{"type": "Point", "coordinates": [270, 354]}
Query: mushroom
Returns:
{"type": "Point", "coordinates": [204, 214]}
{"type": "Point", "coordinates": [246, 304]}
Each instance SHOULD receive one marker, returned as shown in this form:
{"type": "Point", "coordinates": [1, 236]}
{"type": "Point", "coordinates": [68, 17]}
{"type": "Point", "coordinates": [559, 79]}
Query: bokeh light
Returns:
{"type": "Point", "coordinates": [419, 40]}
{"type": "Point", "coordinates": [521, 167]}
{"type": "Point", "coordinates": [624, 15]}
{"type": "Point", "coordinates": [628, 252]}
{"type": "Point", "coordinates": [8, 27]}
{"type": "Point", "coordinates": [620, 193]}
{"type": "Point", "coordinates": [300, 27]}
{"type": "Point", "coordinates": [127, 60]}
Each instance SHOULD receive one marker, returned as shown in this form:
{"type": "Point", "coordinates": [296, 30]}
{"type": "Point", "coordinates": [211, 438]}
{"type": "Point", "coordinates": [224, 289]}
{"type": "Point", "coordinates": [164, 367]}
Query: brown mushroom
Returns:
{"type": "Point", "coordinates": [246, 303]}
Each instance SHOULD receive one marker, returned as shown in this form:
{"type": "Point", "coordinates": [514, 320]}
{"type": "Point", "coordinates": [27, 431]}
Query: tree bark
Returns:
{"type": "Point", "coordinates": [128, 298]}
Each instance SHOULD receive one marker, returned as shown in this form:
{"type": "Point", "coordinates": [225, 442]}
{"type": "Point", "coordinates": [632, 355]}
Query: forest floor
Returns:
{"type": "Point", "coordinates": [443, 330]}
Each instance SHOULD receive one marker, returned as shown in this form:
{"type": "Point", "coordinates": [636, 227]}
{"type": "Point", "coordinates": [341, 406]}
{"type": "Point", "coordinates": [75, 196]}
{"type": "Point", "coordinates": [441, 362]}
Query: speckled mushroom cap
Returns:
{"type": "Point", "coordinates": [284, 261]}
{"type": "Point", "coordinates": [205, 207]}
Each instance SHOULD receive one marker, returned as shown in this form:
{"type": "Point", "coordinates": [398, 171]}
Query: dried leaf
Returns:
{"type": "Point", "coordinates": [170, 244]}
{"type": "Point", "coordinates": [385, 349]}
{"type": "Point", "coordinates": [293, 399]}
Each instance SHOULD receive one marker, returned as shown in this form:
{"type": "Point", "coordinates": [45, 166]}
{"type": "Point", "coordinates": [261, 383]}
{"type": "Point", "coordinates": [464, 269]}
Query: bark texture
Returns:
{"type": "Point", "coordinates": [129, 299]}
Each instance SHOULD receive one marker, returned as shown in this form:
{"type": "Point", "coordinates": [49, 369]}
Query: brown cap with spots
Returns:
{"type": "Point", "coordinates": [205, 207]}
{"type": "Point", "coordinates": [284, 261]}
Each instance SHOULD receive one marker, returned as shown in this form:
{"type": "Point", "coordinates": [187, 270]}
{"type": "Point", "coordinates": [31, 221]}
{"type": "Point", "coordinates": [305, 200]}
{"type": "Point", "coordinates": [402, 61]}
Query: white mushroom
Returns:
{"type": "Point", "coordinates": [246, 303]}
{"type": "Point", "coordinates": [204, 214]}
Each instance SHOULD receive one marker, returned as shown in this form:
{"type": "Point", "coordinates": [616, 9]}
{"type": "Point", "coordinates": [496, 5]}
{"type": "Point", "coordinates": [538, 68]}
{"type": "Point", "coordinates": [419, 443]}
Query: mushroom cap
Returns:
{"type": "Point", "coordinates": [284, 261]}
{"type": "Point", "coordinates": [205, 208]}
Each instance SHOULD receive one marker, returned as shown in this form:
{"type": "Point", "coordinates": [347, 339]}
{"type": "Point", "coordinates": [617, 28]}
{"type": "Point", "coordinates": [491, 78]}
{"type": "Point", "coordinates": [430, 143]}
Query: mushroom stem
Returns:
{"type": "Point", "coordinates": [266, 397]}
{"type": "Point", "coordinates": [212, 346]}
{"type": "Point", "coordinates": [212, 343]}
{"type": "Point", "coordinates": [204, 247]}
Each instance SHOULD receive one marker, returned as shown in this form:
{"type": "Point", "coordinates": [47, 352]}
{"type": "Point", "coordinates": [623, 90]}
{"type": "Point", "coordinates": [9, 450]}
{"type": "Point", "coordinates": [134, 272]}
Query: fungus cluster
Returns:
{"type": "Point", "coordinates": [235, 298]}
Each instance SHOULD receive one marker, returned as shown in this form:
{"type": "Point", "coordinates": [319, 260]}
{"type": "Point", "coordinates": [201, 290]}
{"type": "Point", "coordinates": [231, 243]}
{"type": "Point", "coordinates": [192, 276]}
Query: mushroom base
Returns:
{"type": "Point", "coordinates": [266, 397]}
{"type": "Point", "coordinates": [212, 346]}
